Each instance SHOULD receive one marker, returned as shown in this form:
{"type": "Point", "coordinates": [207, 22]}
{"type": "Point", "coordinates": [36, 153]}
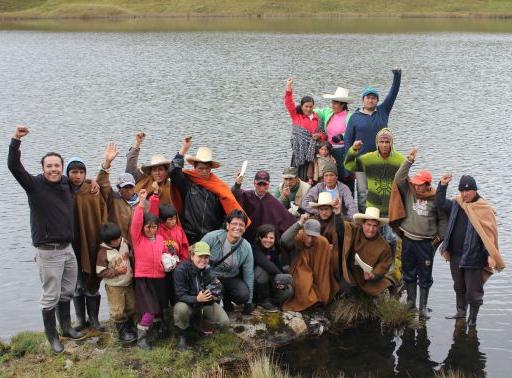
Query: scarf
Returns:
{"type": "Point", "coordinates": [303, 146]}
{"type": "Point", "coordinates": [483, 218]}
{"type": "Point", "coordinates": [397, 212]}
{"type": "Point", "coordinates": [214, 185]}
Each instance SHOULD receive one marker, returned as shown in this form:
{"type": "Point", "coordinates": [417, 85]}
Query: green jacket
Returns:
{"type": "Point", "coordinates": [380, 174]}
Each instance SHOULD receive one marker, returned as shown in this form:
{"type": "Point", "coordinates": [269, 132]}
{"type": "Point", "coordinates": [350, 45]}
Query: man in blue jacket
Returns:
{"type": "Point", "coordinates": [366, 122]}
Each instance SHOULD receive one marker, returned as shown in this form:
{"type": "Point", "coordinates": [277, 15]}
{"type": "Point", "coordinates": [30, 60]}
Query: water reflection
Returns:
{"type": "Point", "coordinates": [464, 354]}
{"type": "Point", "coordinates": [413, 354]}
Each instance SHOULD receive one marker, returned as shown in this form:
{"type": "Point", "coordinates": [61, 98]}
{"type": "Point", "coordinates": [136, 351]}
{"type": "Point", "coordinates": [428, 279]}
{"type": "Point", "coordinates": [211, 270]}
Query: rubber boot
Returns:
{"type": "Point", "coordinates": [263, 297]}
{"type": "Point", "coordinates": [93, 309]}
{"type": "Point", "coordinates": [182, 340]}
{"type": "Point", "coordinates": [473, 314]}
{"type": "Point", "coordinates": [124, 333]}
{"type": "Point", "coordinates": [411, 295]}
{"type": "Point", "coordinates": [142, 338]}
{"type": "Point", "coordinates": [64, 318]}
{"type": "Point", "coordinates": [461, 304]}
{"type": "Point", "coordinates": [161, 329]}
{"type": "Point", "coordinates": [423, 302]}
{"type": "Point", "coordinates": [79, 304]}
{"type": "Point", "coordinates": [50, 329]}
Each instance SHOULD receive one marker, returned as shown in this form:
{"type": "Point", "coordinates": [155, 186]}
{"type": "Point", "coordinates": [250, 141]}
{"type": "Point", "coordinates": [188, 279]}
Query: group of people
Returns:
{"type": "Point", "coordinates": [165, 236]}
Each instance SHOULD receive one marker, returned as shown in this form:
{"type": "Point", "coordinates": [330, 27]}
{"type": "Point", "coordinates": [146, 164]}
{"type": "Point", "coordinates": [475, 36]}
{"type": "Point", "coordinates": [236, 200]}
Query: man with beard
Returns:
{"type": "Point", "coordinates": [470, 244]}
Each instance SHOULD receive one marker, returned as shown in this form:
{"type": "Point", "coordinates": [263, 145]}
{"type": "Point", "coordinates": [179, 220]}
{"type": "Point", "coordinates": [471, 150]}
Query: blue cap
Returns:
{"type": "Point", "coordinates": [370, 90]}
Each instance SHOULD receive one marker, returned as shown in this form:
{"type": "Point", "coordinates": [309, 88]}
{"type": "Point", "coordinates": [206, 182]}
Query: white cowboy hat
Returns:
{"type": "Point", "coordinates": [155, 161]}
{"type": "Point", "coordinates": [370, 213]}
{"type": "Point", "coordinates": [324, 199]}
{"type": "Point", "coordinates": [203, 155]}
{"type": "Point", "coordinates": [340, 95]}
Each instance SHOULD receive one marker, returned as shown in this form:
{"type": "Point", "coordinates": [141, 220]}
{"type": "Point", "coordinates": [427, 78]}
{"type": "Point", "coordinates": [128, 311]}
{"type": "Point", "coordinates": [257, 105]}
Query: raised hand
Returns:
{"type": "Point", "coordinates": [20, 132]}
{"type": "Point", "coordinates": [411, 155]}
{"type": "Point", "coordinates": [143, 194]}
{"type": "Point", "coordinates": [303, 218]}
{"type": "Point", "coordinates": [289, 83]}
{"type": "Point", "coordinates": [139, 138]}
{"type": "Point", "coordinates": [396, 70]}
{"type": "Point", "coordinates": [336, 206]}
{"type": "Point", "coordinates": [238, 179]}
{"type": "Point", "coordinates": [445, 179]}
{"type": "Point", "coordinates": [186, 143]}
{"type": "Point", "coordinates": [357, 145]}
{"type": "Point", "coordinates": [110, 154]}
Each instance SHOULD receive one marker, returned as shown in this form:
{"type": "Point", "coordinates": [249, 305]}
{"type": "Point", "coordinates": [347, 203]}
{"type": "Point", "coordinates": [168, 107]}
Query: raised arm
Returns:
{"type": "Point", "coordinates": [388, 102]}
{"type": "Point", "coordinates": [138, 218]}
{"type": "Point", "coordinates": [25, 179]}
{"type": "Point", "coordinates": [402, 174]}
{"type": "Point", "coordinates": [441, 201]}
{"type": "Point", "coordinates": [310, 196]}
{"type": "Point", "coordinates": [288, 236]}
{"type": "Point", "coordinates": [352, 163]}
{"type": "Point", "coordinates": [176, 172]}
{"type": "Point", "coordinates": [289, 103]}
{"type": "Point", "coordinates": [103, 177]}
{"type": "Point", "coordinates": [132, 157]}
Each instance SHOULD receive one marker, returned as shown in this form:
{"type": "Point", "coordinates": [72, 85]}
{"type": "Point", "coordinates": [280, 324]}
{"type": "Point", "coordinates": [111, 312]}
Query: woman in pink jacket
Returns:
{"type": "Point", "coordinates": [151, 293]}
{"type": "Point", "coordinates": [306, 130]}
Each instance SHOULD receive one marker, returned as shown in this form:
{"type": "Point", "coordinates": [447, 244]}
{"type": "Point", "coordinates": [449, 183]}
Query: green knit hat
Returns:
{"type": "Point", "coordinates": [200, 249]}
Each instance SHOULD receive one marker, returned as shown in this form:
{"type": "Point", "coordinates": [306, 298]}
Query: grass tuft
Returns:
{"type": "Point", "coordinates": [451, 374]}
{"type": "Point", "coordinates": [25, 343]}
{"type": "Point", "coordinates": [264, 366]}
{"type": "Point", "coordinates": [393, 313]}
{"type": "Point", "coordinates": [354, 309]}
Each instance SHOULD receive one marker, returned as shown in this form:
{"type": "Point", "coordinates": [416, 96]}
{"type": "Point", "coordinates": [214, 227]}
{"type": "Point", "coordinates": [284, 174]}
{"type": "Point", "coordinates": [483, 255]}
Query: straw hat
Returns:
{"type": "Point", "coordinates": [371, 213]}
{"type": "Point", "coordinates": [203, 155]}
{"type": "Point", "coordinates": [340, 95]}
{"type": "Point", "coordinates": [155, 161]}
{"type": "Point", "coordinates": [324, 199]}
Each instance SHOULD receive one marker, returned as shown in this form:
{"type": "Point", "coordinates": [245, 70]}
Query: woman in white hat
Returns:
{"type": "Point", "coordinates": [157, 170]}
{"type": "Point", "coordinates": [306, 130]}
{"type": "Point", "coordinates": [334, 120]}
{"type": "Point", "coordinates": [366, 255]}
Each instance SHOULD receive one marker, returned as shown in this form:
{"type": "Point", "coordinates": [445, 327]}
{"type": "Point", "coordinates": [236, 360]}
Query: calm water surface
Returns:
{"type": "Point", "coordinates": [78, 90]}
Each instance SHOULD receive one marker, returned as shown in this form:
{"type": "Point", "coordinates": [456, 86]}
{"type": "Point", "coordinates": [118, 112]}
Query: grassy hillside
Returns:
{"type": "Point", "coordinates": [256, 8]}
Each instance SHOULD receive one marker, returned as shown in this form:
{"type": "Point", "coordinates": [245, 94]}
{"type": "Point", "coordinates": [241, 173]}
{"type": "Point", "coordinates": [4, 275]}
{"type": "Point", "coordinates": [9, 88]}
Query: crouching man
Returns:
{"type": "Point", "coordinates": [197, 293]}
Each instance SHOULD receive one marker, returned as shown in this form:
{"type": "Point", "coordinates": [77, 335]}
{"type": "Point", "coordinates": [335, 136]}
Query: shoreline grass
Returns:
{"type": "Point", "coordinates": [127, 9]}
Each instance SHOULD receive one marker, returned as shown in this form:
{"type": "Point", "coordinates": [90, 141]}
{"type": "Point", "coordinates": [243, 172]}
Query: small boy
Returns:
{"type": "Point", "coordinates": [114, 266]}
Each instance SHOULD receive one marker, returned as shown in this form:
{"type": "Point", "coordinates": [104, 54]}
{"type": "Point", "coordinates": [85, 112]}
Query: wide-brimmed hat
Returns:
{"type": "Point", "coordinates": [340, 95]}
{"type": "Point", "coordinates": [324, 199]}
{"type": "Point", "coordinates": [203, 155]}
{"type": "Point", "coordinates": [371, 213]}
{"type": "Point", "coordinates": [422, 177]}
{"type": "Point", "coordinates": [155, 161]}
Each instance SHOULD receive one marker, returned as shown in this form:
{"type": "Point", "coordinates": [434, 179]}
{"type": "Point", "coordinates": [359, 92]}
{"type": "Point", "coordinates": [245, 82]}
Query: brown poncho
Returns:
{"type": "Point", "coordinates": [313, 281]}
{"type": "Point", "coordinates": [164, 188]}
{"type": "Point", "coordinates": [375, 252]}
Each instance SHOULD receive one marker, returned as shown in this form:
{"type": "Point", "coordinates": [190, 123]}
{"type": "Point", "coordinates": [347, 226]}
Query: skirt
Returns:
{"type": "Point", "coordinates": [151, 295]}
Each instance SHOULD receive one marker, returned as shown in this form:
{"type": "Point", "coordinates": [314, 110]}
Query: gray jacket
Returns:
{"type": "Point", "coordinates": [348, 206]}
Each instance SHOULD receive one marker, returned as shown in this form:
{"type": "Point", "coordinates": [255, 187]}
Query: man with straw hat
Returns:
{"type": "Point", "coordinates": [366, 122]}
{"type": "Point", "coordinates": [421, 224]}
{"type": "Point", "coordinates": [157, 170]}
{"type": "Point", "coordinates": [470, 244]}
{"type": "Point", "coordinates": [201, 198]}
{"type": "Point", "coordinates": [366, 256]}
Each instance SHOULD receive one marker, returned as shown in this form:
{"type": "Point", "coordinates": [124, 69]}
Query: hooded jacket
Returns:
{"type": "Point", "coordinates": [189, 281]}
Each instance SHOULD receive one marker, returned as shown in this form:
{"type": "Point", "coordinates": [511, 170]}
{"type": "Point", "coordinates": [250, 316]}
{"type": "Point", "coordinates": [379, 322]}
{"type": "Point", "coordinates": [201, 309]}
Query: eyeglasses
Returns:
{"type": "Point", "coordinates": [239, 225]}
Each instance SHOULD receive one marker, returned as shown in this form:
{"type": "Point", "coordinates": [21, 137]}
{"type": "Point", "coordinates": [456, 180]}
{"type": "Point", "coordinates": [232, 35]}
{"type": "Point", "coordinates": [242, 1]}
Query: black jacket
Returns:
{"type": "Point", "coordinates": [189, 281]}
{"type": "Point", "coordinates": [272, 266]}
{"type": "Point", "coordinates": [202, 210]}
{"type": "Point", "coordinates": [474, 255]}
{"type": "Point", "coordinates": [51, 204]}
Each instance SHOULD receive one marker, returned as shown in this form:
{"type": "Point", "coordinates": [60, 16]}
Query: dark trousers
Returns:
{"type": "Point", "coordinates": [417, 261]}
{"type": "Point", "coordinates": [235, 290]}
{"type": "Point", "coordinates": [467, 282]}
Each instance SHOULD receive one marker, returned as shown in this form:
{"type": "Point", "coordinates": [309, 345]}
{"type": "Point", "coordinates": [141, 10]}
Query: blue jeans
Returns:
{"type": "Point", "coordinates": [417, 261]}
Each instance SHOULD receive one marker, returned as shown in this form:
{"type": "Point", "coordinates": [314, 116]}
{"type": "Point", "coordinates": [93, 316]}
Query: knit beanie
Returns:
{"type": "Point", "coordinates": [75, 163]}
{"type": "Point", "coordinates": [330, 167]}
{"type": "Point", "coordinates": [467, 182]}
{"type": "Point", "coordinates": [384, 132]}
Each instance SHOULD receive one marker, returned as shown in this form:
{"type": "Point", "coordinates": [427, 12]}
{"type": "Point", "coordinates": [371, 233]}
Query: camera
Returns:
{"type": "Point", "coordinates": [215, 288]}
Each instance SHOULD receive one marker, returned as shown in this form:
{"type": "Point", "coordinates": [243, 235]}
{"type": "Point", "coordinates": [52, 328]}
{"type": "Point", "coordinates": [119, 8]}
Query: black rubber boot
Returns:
{"type": "Point", "coordinates": [411, 295]}
{"type": "Point", "coordinates": [423, 302]}
{"type": "Point", "coordinates": [473, 314]}
{"type": "Point", "coordinates": [263, 297]}
{"type": "Point", "coordinates": [461, 305]}
{"type": "Point", "coordinates": [93, 309]}
{"type": "Point", "coordinates": [64, 318]}
{"type": "Point", "coordinates": [50, 329]}
{"type": "Point", "coordinates": [81, 321]}
{"type": "Point", "coordinates": [142, 338]}
{"type": "Point", "coordinates": [182, 340]}
{"type": "Point", "coordinates": [124, 333]}
{"type": "Point", "coordinates": [161, 329]}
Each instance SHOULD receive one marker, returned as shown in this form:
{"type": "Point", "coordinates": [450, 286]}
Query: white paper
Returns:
{"type": "Point", "coordinates": [244, 168]}
{"type": "Point", "coordinates": [364, 266]}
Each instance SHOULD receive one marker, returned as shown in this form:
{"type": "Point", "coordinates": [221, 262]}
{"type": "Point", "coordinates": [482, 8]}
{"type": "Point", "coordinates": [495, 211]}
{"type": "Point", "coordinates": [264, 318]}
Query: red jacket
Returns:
{"type": "Point", "coordinates": [147, 252]}
{"type": "Point", "coordinates": [175, 234]}
{"type": "Point", "coordinates": [301, 120]}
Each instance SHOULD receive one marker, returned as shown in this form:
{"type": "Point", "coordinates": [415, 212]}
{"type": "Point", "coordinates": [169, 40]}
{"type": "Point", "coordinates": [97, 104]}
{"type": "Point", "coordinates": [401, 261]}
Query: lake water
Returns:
{"type": "Point", "coordinates": [77, 90]}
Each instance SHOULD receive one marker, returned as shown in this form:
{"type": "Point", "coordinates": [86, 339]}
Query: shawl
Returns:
{"type": "Point", "coordinates": [303, 146]}
{"type": "Point", "coordinates": [483, 218]}
{"type": "Point", "coordinates": [214, 185]}
{"type": "Point", "coordinates": [313, 281]}
{"type": "Point", "coordinates": [375, 252]}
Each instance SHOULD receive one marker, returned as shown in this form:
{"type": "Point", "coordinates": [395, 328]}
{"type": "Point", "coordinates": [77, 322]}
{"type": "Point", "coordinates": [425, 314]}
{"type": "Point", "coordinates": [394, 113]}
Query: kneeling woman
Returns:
{"type": "Point", "coordinates": [197, 293]}
{"type": "Point", "coordinates": [151, 294]}
{"type": "Point", "coordinates": [272, 285]}
{"type": "Point", "coordinates": [366, 256]}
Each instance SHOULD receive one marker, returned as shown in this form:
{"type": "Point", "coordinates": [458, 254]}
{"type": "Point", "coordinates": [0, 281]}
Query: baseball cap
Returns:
{"type": "Point", "coordinates": [201, 249]}
{"type": "Point", "coordinates": [290, 172]}
{"type": "Point", "coordinates": [262, 176]}
{"type": "Point", "coordinates": [125, 179]}
{"type": "Point", "coordinates": [312, 227]}
{"type": "Point", "coordinates": [422, 177]}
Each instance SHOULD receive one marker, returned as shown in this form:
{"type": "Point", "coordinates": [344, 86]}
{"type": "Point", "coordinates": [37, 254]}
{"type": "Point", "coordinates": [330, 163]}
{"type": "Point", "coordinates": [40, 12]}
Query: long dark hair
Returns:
{"type": "Point", "coordinates": [302, 102]}
{"type": "Point", "coordinates": [345, 105]}
{"type": "Point", "coordinates": [262, 231]}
